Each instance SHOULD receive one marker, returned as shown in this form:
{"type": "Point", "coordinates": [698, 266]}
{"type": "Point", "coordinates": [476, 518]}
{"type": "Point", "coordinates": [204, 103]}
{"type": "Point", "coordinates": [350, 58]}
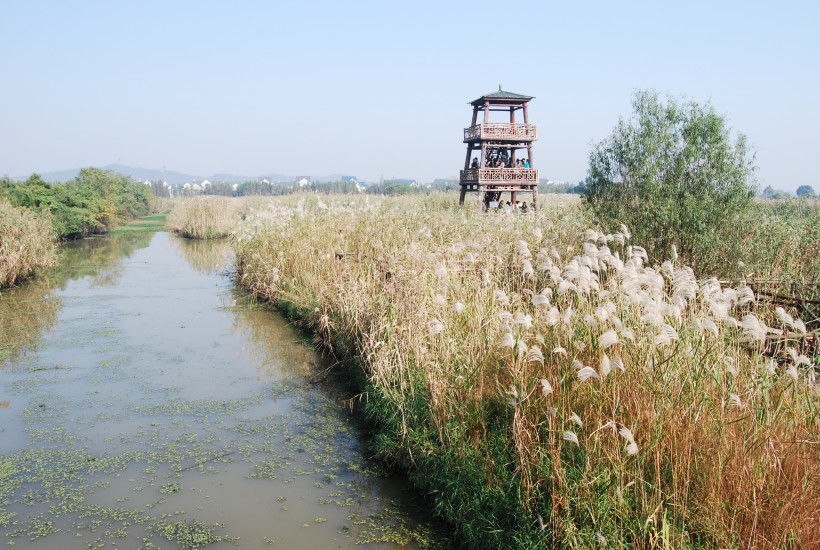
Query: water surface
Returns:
{"type": "Point", "coordinates": [144, 403]}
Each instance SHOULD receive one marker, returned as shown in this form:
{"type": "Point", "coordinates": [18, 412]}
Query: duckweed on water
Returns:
{"type": "Point", "coordinates": [188, 534]}
{"type": "Point", "coordinates": [170, 488]}
{"type": "Point", "coordinates": [62, 479]}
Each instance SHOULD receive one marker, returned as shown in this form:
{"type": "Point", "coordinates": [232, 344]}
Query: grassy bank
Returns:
{"type": "Point", "coordinates": [145, 224]}
{"type": "Point", "coordinates": [545, 384]}
{"type": "Point", "coordinates": [27, 243]}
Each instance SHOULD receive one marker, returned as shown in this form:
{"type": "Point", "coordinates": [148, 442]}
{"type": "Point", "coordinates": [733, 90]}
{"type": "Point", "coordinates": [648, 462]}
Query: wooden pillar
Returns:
{"type": "Point", "coordinates": [535, 198]}
{"type": "Point", "coordinates": [529, 143]}
{"type": "Point", "coordinates": [513, 198]}
{"type": "Point", "coordinates": [512, 149]}
{"type": "Point", "coordinates": [461, 195]}
{"type": "Point", "coordinates": [486, 111]}
{"type": "Point", "coordinates": [481, 197]}
{"type": "Point", "coordinates": [471, 145]}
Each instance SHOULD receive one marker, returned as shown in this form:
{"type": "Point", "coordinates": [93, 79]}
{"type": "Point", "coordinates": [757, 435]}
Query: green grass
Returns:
{"type": "Point", "coordinates": [145, 224]}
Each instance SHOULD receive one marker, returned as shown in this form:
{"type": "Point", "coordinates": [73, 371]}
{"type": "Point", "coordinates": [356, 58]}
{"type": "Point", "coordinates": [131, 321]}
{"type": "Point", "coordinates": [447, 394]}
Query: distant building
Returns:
{"type": "Point", "coordinates": [302, 181]}
{"type": "Point", "coordinates": [351, 179]}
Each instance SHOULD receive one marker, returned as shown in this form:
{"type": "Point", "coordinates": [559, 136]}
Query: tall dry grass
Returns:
{"type": "Point", "coordinates": [781, 241]}
{"type": "Point", "coordinates": [27, 243]}
{"type": "Point", "coordinates": [204, 217]}
{"type": "Point", "coordinates": [549, 387]}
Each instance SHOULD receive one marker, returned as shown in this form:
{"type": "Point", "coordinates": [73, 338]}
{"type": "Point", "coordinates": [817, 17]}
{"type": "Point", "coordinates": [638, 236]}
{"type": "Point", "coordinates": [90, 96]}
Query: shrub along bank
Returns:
{"type": "Point", "coordinates": [548, 386]}
{"type": "Point", "coordinates": [35, 214]}
{"type": "Point", "coordinates": [92, 203]}
{"type": "Point", "coordinates": [27, 243]}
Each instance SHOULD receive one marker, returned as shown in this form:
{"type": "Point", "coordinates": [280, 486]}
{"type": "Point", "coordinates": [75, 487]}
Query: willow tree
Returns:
{"type": "Point", "coordinates": [673, 175]}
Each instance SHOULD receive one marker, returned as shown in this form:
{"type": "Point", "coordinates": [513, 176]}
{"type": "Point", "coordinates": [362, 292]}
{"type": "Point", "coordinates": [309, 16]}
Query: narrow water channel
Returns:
{"type": "Point", "coordinates": [145, 403]}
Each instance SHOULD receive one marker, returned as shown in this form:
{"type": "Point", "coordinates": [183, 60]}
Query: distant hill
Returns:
{"type": "Point", "coordinates": [333, 177]}
{"type": "Point", "coordinates": [277, 178]}
{"type": "Point", "coordinates": [139, 174]}
{"type": "Point", "coordinates": [229, 177]}
{"type": "Point", "coordinates": [173, 177]}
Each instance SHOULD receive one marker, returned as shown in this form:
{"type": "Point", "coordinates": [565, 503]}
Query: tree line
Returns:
{"type": "Point", "coordinates": [92, 203]}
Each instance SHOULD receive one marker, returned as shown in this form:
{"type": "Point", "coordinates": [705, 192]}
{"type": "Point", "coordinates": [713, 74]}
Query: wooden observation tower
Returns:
{"type": "Point", "coordinates": [495, 161]}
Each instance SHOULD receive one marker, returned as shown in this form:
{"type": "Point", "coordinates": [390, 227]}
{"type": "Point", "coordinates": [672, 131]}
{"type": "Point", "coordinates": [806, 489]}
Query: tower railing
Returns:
{"type": "Point", "coordinates": [499, 175]}
{"type": "Point", "coordinates": [500, 130]}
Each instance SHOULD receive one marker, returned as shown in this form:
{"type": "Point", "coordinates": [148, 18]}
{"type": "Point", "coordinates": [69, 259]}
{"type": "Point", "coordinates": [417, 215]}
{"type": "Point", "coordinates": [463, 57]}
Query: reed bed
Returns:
{"type": "Point", "coordinates": [204, 217]}
{"type": "Point", "coordinates": [543, 382]}
{"type": "Point", "coordinates": [27, 243]}
{"type": "Point", "coordinates": [781, 241]}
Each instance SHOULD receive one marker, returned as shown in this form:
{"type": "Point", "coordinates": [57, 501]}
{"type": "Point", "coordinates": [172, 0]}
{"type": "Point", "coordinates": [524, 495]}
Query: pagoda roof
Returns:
{"type": "Point", "coordinates": [502, 96]}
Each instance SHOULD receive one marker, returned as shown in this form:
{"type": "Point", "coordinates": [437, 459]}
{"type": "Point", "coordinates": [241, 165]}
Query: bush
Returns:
{"type": "Point", "coordinates": [673, 177]}
{"type": "Point", "coordinates": [27, 243]}
{"type": "Point", "coordinates": [94, 202]}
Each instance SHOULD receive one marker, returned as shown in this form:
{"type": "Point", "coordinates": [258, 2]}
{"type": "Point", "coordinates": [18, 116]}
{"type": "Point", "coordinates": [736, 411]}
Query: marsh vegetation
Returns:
{"type": "Point", "coordinates": [204, 217]}
{"type": "Point", "coordinates": [546, 381]}
{"type": "Point", "coordinates": [35, 214]}
{"type": "Point", "coordinates": [27, 243]}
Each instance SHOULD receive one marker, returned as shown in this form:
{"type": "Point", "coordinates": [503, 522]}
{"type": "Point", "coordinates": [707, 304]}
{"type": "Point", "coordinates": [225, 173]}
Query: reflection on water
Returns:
{"type": "Point", "coordinates": [162, 408]}
{"type": "Point", "coordinates": [25, 312]}
{"type": "Point", "coordinates": [28, 310]}
{"type": "Point", "coordinates": [274, 347]}
{"type": "Point", "coordinates": [206, 256]}
{"type": "Point", "coordinates": [97, 257]}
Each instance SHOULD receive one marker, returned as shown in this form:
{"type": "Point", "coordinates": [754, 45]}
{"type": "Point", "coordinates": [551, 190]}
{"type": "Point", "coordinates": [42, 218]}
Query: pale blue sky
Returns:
{"type": "Point", "coordinates": [382, 88]}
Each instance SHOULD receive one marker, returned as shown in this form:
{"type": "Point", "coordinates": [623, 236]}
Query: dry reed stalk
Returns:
{"type": "Point", "coordinates": [27, 243]}
{"type": "Point", "coordinates": [652, 372]}
{"type": "Point", "coordinates": [210, 217]}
